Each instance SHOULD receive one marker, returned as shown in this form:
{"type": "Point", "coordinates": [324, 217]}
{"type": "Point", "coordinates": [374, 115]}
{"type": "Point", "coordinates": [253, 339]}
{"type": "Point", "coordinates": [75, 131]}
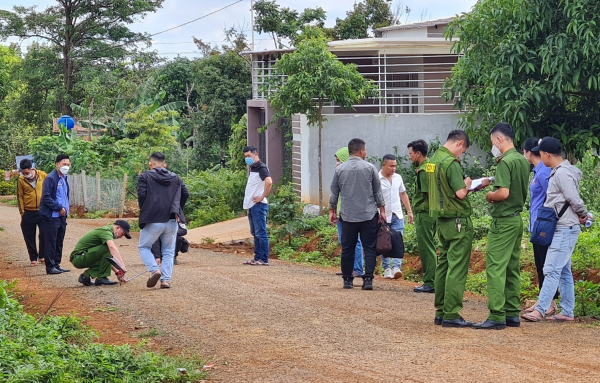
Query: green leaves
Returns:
{"type": "Point", "coordinates": [532, 64]}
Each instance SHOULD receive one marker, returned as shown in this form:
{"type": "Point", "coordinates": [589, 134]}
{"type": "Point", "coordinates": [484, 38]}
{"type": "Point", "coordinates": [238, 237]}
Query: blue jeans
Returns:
{"type": "Point", "coordinates": [358, 253]}
{"type": "Point", "coordinates": [557, 271]}
{"type": "Point", "coordinates": [398, 225]}
{"type": "Point", "coordinates": [257, 215]}
{"type": "Point", "coordinates": [167, 232]}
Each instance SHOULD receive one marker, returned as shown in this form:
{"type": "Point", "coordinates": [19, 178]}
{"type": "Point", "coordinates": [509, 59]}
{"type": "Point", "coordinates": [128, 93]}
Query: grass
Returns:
{"type": "Point", "coordinates": [151, 333]}
{"type": "Point", "coordinates": [62, 349]}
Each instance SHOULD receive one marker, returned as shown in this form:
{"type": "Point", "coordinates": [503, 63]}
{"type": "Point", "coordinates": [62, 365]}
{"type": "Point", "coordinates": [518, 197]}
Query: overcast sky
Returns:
{"type": "Point", "coordinates": [179, 41]}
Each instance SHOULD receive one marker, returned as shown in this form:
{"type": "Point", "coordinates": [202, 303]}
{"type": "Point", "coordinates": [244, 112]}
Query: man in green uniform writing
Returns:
{"type": "Point", "coordinates": [424, 224]}
{"type": "Point", "coordinates": [506, 231]}
{"type": "Point", "coordinates": [92, 250]}
{"type": "Point", "coordinates": [449, 204]}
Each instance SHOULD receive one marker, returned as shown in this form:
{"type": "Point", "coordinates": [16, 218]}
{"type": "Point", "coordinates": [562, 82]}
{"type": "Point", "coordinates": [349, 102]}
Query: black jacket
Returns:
{"type": "Point", "coordinates": [161, 195]}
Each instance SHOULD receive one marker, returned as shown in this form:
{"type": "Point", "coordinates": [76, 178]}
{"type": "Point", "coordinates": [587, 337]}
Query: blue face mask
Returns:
{"type": "Point", "coordinates": [249, 161]}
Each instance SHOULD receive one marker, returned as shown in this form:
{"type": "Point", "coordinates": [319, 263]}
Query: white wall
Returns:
{"type": "Point", "coordinates": [380, 132]}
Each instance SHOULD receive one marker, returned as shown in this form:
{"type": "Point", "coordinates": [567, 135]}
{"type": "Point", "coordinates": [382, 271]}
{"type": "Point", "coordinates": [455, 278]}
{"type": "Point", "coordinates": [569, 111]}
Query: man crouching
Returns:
{"type": "Point", "coordinates": [92, 250]}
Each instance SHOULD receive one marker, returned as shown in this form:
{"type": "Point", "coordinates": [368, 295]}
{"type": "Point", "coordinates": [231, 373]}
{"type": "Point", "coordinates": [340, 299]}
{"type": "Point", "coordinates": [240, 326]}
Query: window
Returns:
{"type": "Point", "coordinates": [403, 103]}
{"type": "Point", "coordinates": [402, 80]}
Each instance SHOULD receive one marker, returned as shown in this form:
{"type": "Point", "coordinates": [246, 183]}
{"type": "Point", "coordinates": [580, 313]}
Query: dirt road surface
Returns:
{"type": "Point", "coordinates": [293, 323]}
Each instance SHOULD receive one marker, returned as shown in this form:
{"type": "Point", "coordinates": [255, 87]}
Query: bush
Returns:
{"type": "Point", "coordinates": [215, 196]}
{"type": "Point", "coordinates": [8, 188]}
{"type": "Point", "coordinates": [61, 349]}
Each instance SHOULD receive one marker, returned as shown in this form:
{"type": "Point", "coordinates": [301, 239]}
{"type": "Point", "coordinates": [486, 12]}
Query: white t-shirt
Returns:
{"type": "Point", "coordinates": [391, 195]}
{"type": "Point", "coordinates": [255, 187]}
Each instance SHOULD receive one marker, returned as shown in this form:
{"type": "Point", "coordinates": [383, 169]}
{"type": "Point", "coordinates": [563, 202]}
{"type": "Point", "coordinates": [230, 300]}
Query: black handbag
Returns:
{"type": "Point", "coordinates": [384, 239]}
{"type": "Point", "coordinates": [397, 245]}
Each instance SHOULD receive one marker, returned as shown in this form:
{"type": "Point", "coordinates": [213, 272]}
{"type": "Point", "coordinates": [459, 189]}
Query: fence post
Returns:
{"type": "Point", "coordinates": [84, 189]}
{"type": "Point", "coordinates": [98, 191]}
{"type": "Point", "coordinates": [123, 191]}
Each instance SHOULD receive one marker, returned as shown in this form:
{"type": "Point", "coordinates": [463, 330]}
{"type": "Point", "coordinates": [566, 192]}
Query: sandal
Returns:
{"type": "Point", "coordinates": [532, 317]}
{"type": "Point", "coordinates": [530, 309]}
{"type": "Point", "coordinates": [42, 260]}
{"type": "Point", "coordinates": [552, 309]}
{"type": "Point", "coordinates": [560, 318]}
{"type": "Point", "coordinates": [251, 262]}
{"type": "Point", "coordinates": [167, 285]}
{"type": "Point", "coordinates": [153, 279]}
{"type": "Point", "coordinates": [33, 263]}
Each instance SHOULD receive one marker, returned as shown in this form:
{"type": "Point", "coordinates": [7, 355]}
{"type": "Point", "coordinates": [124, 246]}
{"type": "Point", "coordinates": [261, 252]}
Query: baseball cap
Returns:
{"type": "Point", "coordinates": [549, 145]}
{"type": "Point", "coordinates": [125, 226]}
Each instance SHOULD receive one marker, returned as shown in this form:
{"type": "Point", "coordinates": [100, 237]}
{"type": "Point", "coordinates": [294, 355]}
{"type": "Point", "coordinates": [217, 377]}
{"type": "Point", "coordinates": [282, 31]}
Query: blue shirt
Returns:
{"type": "Point", "coordinates": [537, 190]}
{"type": "Point", "coordinates": [62, 196]}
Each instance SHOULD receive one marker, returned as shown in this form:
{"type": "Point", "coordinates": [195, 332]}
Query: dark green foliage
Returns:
{"type": "Point", "coordinates": [8, 188]}
{"type": "Point", "coordinates": [61, 349]}
{"type": "Point", "coordinates": [215, 196]}
{"type": "Point", "coordinates": [533, 64]}
{"type": "Point", "coordinates": [363, 19]}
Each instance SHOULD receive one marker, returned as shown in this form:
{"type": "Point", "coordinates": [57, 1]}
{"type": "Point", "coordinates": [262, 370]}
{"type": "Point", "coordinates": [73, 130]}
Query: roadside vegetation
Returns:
{"type": "Point", "coordinates": [62, 349]}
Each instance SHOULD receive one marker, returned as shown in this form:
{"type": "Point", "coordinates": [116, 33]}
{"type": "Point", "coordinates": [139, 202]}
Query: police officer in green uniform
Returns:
{"type": "Point", "coordinates": [92, 250]}
{"type": "Point", "coordinates": [505, 233]}
{"type": "Point", "coordinates": [449, 204]}
{"type": "Point", "coordinates": [424, 224]}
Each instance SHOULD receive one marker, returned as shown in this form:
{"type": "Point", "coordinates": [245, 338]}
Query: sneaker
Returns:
{"type": "Point", "coordinates": [367, 283]}
{"type": "Point", "coordinates": [85, 280]}
{"type": "Point", "coordinates": [104, 282]}
{"type": "Point", "coordinates": [348, 283]}
{"type": "Point", "coordinates": [396, 273]}
{"type": "Point", "coordinates": [387, 273]}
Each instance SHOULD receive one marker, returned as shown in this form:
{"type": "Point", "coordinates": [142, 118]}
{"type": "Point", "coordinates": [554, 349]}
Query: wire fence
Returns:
{"type": "Point", "coordinates": [97, 194]}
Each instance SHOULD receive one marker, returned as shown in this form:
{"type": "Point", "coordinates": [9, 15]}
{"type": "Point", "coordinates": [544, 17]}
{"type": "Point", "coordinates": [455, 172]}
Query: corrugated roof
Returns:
{"type": "Point", "coordinates": [421, 24]}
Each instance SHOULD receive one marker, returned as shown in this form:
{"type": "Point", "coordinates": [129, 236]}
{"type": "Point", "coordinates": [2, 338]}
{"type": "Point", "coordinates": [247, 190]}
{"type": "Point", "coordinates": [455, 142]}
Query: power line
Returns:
{"type": "Point", "coordinates": [201, 17]}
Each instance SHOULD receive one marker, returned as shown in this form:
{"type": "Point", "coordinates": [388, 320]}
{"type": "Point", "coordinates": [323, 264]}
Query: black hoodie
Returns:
{"type": "Point", "coordinates": [161, 195]}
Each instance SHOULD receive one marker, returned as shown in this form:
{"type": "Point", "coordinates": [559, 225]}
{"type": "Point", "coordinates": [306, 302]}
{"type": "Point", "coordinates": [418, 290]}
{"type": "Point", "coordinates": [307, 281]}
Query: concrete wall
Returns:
{"type": "Point", "coordinates": [380, 132]}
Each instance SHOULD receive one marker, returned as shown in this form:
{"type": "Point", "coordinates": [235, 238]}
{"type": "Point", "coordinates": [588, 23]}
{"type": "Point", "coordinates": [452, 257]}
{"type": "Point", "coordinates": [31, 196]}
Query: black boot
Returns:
{"type": "Point", "coordinates": [348, 283]}
{"type": "Point", "coordinates": [367, 283]}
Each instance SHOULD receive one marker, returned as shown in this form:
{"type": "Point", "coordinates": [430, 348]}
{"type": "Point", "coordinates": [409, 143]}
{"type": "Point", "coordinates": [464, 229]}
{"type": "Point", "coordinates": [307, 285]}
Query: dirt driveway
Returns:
{"type": "Point", "coordinates": [292, 323]}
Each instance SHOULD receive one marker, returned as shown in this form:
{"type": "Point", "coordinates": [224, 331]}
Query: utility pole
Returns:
{"type": "Point", "coordinates": [252, 21]}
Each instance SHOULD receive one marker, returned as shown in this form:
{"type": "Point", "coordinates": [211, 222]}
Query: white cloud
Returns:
{"type": "Point", "coordinates": [176, 12]}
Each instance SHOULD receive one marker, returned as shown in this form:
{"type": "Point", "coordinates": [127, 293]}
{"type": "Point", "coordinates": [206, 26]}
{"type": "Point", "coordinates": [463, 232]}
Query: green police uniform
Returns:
{"type": "Point", "coordinates": [424, 226]}
{"type": "Point", "coordinates": [91, 252]}
{"type": "Point", "coordinates": [455, 231]}
{"type": "Point", "coordinates": [504, 238]}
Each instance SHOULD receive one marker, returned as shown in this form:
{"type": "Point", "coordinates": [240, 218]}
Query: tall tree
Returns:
{"type": "Point", "coordinates": [534, 64]}
{"type": "Point", "coordinates": [282, 22]}
{"type": "Point", "coordinates": [366, 16]}
{"type": "Point", "coordinates": [313, 77]}
{"type": "Point", "coordinates": [223, 83]}
{"type": "Point", "coordinates": [86, 32]}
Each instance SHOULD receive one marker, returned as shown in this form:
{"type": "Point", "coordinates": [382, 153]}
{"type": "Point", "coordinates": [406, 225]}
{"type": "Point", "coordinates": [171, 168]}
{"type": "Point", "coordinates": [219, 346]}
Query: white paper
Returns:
{"type": "Point", "coordinates": [477, 183]}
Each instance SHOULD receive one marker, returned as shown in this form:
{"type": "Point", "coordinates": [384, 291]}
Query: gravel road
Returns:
{"type": "Point", "coordinates": [294, 323]}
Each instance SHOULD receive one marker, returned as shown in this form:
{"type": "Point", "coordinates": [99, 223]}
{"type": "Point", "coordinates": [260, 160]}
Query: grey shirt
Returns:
{"type": "Point", "coordinates": [563, 187]}
{"type": "Point", "coordinates": [356, 182]}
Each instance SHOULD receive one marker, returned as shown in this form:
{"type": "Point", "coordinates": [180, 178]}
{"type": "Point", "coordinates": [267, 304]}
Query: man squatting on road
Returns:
{"type": "Point", "coordinates": [92, 250]}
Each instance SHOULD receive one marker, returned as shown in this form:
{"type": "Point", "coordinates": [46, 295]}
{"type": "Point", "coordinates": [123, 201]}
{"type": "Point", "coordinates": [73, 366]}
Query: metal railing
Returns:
{"type": "Point", "coordinates": [407, 83]}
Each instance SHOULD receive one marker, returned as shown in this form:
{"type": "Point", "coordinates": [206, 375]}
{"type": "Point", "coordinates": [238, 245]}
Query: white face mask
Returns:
{"type": "Point", "coordinates": [496, 152]}
{"type": "Point", "coordinates": [30, 176]}
{"type": "Point", "coordinates": [64, 170]}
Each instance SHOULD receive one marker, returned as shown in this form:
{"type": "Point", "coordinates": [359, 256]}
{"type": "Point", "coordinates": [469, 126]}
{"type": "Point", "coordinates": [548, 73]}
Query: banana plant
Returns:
{"type": "Point", "coordinates": [143, 98]}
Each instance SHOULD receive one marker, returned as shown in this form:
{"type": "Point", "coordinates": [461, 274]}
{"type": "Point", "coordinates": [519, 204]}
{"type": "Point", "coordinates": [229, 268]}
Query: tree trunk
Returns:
{"type": "Point", "coordinates": [90, 119]}
{"type": "Point", "coordinates": [320, 117]}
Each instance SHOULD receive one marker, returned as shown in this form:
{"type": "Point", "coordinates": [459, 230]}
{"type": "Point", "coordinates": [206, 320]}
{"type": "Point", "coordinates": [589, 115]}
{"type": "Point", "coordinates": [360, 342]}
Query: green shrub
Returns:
{"type": "Point", "coordinates": [7, 188]}
{"type": "Point", "coordinates": [587, 255]}
{"type": "Point", "coordinates": [477, 283]}
{"type": "Point", "coordinates": [61, 349]}
{"type": "Point", "coordinates": [587, 299]}
{"type": "Point", "coordinates": [215, 196]}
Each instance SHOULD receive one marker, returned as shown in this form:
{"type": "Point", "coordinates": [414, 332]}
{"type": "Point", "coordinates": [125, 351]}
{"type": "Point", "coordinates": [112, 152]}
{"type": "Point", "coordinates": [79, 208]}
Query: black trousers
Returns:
{"type": "Point", "coordinates": [539, 255]}
{"type": "Point", "coordinates": [31, 220]}
{"type": "Point", "coordinates": [53, 230]}
{"type": "Point", "coordinates": [157, 247]}
{"type": "Point", "coordinates": [368, 237]}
